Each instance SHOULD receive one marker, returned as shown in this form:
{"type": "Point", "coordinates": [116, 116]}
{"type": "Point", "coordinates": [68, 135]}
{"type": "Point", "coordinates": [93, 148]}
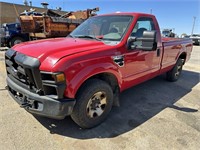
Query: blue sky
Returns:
{"type": "Point", "coordinates": [177, 14]}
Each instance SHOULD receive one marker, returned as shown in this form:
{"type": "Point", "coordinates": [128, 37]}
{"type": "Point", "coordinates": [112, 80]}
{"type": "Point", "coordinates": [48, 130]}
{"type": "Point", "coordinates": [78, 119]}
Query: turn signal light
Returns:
{"type": "Point", "coordinates": [59, 77]}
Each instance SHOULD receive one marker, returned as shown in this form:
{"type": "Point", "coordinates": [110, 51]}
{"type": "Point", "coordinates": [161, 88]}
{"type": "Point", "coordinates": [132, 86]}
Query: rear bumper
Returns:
{"type": "Point", "coordinates": [40, 105]}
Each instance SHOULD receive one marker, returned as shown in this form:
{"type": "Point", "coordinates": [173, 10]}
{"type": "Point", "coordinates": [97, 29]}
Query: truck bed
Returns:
{"type": "Point", "coordinates": [172, 41]}
{"type": "Point", "coordinates": [172, 48]}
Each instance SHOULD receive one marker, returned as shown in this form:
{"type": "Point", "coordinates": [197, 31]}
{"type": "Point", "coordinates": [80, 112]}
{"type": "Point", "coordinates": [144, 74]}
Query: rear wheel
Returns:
{"type": "Point", "coordinates": [16, 40]}
{"type": "Point", "coordinates": [175, 72]}
{"type": "Point", "coordinates": [94, 102]}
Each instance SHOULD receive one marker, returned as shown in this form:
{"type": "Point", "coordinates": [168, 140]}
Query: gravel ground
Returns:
{"type": "Point", "coordinates": [153, 115]}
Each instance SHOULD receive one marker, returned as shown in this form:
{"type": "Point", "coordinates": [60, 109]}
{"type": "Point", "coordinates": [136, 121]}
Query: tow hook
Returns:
{"type": "Point", "coordinates": [25, 105]}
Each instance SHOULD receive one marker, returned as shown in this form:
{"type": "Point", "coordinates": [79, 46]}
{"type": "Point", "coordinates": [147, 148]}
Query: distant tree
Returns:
{"type": "Point", "coordinates": [183, 35]}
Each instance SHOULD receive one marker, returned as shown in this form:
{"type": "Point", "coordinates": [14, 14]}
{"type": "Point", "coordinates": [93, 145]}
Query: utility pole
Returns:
{"type": "Point", "coordinates": [193, 25]}
{"type": "Point", "coordinates": [151, 11]}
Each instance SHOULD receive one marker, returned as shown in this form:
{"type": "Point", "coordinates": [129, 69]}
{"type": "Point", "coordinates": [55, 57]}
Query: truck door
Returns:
{"type": "Point", "coordinates": [140, 63]}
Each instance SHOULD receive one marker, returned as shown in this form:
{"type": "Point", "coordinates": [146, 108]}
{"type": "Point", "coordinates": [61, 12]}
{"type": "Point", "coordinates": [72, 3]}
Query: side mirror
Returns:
{"type": "Point", "coordinates": [149, 41]}
{"type": "Point", "coordinates": [130, 42]}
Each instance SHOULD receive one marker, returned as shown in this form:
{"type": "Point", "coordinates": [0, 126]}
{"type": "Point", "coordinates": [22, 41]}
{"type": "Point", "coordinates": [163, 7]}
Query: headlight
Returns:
{"type": "Point", "coordinates": [7, 33]}
{"type": "Point", "coordinates": [53, 77]}
{"type": "Point", "coordinates": [54, 84]}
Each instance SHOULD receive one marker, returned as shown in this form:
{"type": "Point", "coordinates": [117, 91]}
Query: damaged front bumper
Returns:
{"type": "Point", "coordinates": [40, 105]}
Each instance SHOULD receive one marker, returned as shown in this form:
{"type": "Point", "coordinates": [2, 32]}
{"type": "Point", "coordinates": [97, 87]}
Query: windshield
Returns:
{"type": "Point", "coordinates": [109, 29]}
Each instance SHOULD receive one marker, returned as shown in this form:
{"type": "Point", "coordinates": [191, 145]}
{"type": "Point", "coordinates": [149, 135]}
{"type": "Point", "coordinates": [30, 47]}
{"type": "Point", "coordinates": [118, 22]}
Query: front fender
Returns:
{"type": "Point", "coordinates": [75, 80]}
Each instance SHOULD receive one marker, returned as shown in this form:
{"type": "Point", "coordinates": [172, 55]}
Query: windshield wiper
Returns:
{"type": "Point", "coordinates": [71, 36]}
{"type": "Point", "coordinates": [87, 36]}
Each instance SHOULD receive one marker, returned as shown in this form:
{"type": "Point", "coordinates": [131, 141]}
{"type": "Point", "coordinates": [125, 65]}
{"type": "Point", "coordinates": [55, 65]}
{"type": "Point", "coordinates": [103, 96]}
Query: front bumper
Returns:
{"type": "Point", "coordinates": [40, 105]}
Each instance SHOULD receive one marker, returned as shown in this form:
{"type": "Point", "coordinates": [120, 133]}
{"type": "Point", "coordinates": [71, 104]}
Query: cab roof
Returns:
{"type": "Point", "coordinates": [136, 14]}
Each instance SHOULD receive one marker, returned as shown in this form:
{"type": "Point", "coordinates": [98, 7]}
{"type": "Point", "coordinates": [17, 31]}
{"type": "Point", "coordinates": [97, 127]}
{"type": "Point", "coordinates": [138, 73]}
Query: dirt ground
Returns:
{"type": "Point", "coordinates": [153, 115]}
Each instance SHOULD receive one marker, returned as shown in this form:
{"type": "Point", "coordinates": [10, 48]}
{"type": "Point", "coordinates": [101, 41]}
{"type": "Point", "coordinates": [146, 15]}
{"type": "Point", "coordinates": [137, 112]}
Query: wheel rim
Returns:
{"type": "Point", "coordinates": [96, 105]}
{"type": "Point", "coordinates": [17, 42]}
{"type": "Point", "coordinates": [178, 70]}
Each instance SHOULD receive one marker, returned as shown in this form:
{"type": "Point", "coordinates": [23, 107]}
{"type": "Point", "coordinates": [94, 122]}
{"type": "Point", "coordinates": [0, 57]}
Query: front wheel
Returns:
{"type": "Point", "coordinates": [94, 102]}
{"type": "Point", "coordinates": [174, 74]}
{"type": "Point", "coordinates": [16, 40]}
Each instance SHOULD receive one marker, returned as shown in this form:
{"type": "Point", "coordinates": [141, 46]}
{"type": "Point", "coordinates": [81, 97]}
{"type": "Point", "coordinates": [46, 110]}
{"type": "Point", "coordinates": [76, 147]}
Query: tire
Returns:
{"type": "Point", "coordinates": [16, 40]}
{"type": "Point", "coordinates": [94, 102]}
{"type": "Point", "coordinates": [174, 74]}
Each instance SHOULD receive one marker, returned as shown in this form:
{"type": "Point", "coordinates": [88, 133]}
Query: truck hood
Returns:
{"type": "Point", "coordinates": [57, 48]}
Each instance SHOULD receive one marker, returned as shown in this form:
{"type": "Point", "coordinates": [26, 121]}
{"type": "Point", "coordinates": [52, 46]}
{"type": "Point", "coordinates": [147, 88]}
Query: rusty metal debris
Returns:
{"type": "Point", "coordinates": [52, 24]}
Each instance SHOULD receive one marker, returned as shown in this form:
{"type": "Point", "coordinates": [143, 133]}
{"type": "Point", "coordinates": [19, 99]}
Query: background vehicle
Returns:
{"type": "Point", "coordinates": [11, 34]}
{"type": "Point", "coordinates": [186, 36]}
{"type": "Point", "coordinates": [83, 74]}
{"type": "Point", "coordinates": [196, 39]}
{"type": "Point", "coordinates": [34, 25]}
{"type": "Point", "coordinates": [168, 33]}
{"type": "Point", "coordinates": [51, 24]}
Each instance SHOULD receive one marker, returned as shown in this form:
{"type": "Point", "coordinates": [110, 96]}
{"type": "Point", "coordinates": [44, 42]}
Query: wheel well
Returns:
{"type": "Point", "coordinates": [14, 36]}
{"type": "Point", "coordinates": [183, 56]}
{"type": "Point", "coordinates": [108, 78]}
{"type": "Point", "coordinates": [17, 36]}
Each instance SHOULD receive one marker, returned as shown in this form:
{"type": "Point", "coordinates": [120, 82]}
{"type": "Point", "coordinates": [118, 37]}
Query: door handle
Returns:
{"type": "Point", "coordinates": [119, 60]}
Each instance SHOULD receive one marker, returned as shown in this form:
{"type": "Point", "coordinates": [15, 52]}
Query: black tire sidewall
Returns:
{"type": "Point", "coordinates": [171, 75]}
{"type": "Point", "coordinates": [12, 41]}
{"type": "Point", "coordinates": [79, 114]}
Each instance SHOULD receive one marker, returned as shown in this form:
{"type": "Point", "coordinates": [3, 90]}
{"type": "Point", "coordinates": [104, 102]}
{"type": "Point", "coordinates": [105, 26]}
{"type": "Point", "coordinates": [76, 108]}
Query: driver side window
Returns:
{"type": "Point", "coordinates": [143, 24]}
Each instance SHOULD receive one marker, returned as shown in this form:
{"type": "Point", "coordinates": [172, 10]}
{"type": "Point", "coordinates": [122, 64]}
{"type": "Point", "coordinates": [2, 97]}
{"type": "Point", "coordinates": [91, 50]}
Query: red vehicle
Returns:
{"type": "Point", "coordinates": [82, 75]}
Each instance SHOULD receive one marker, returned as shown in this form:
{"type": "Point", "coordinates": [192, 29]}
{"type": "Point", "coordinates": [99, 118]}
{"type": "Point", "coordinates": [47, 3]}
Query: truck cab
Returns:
{"type": "Point", "coordinates": [168, 33]}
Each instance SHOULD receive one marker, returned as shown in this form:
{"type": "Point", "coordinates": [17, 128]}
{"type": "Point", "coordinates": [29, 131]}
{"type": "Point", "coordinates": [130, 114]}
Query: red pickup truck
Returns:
{"type": "Point", "coordinates": [82, 75]}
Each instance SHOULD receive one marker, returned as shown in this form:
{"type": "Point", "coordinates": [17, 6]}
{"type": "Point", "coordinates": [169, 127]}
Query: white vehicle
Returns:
{"type": "Point", "coordinates": [196, 39]}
